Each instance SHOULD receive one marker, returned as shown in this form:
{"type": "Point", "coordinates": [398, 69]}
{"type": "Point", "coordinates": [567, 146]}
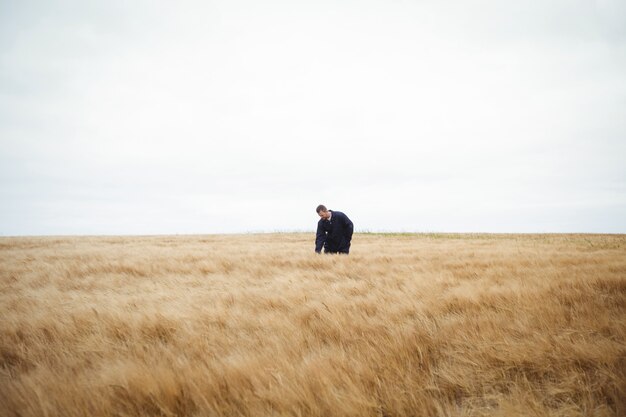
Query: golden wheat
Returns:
{"type": "Point", "coordinates": [259, 325]}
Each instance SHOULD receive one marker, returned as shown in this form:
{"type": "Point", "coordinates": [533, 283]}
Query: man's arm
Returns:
{"type": "Point", "coordinates": [320, 238]}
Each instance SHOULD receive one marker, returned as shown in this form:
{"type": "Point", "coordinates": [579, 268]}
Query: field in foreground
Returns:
{"type": "Point", "coordinates": [258, 325]}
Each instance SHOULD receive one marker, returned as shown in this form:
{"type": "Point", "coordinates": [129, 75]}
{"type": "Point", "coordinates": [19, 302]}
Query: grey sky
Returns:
{"type": "Point", "coordinates": [150, 117]}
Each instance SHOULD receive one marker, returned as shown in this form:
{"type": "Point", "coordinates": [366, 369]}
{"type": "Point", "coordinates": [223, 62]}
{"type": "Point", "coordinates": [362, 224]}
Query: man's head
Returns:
{"type": "Point", "coordinates": [323, 212]}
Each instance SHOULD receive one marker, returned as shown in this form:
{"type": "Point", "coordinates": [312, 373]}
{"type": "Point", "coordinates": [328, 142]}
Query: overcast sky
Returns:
{"type": "Point", "coordinates": [163, 117]}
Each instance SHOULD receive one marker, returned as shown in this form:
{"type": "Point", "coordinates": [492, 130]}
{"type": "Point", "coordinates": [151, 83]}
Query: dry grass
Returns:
{"type": "Point", "coordinates": [258, 325]}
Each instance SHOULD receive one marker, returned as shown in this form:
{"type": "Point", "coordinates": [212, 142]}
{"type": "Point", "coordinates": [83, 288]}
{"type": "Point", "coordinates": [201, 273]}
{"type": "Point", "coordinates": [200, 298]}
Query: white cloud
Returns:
{"type": "Point", "coordinates": [211, 117]}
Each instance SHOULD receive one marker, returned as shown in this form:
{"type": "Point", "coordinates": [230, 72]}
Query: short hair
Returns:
{"type": "Point", "coordinates": [321, 207]}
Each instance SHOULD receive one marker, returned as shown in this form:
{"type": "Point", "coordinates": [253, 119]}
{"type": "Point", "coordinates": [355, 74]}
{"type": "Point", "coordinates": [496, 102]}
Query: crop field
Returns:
{"type": "Point", "coordinates": [259, 325]}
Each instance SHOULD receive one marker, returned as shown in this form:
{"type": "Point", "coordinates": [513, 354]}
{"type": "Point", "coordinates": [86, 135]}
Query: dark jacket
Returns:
{"type": "Point", "coordinates": [334, 235]}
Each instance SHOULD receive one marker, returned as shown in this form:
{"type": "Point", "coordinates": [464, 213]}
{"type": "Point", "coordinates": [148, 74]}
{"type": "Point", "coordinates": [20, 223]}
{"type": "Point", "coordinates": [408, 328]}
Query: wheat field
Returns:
{"type": "Point", "coordinates": [259, 325]}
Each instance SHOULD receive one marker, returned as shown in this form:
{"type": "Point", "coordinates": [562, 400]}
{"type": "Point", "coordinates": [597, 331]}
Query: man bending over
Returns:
{"type": "Point", "coordinates": [334, 231]}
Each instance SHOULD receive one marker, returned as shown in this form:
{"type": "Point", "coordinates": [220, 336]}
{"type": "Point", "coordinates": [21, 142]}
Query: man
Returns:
{"type": "Point", "coordinates": [334, 231]}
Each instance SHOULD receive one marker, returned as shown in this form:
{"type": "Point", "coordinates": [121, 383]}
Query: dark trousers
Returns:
{"type": "Point", "coordinates": [340, 252]}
